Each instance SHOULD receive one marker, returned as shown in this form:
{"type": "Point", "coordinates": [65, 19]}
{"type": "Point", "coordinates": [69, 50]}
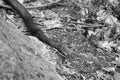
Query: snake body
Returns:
{"type": "Point", "coordinates": [32, 28]}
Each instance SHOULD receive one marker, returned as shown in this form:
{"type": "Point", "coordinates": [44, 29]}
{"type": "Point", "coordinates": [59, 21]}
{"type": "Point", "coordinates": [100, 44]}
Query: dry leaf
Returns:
{"type": "Point", "coordinates": [107, 45]}
{"type": "Point", "coordinates": [21, 1]}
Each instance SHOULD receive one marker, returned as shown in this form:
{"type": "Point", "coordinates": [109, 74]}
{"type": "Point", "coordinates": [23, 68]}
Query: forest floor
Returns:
{"type": "Point", "coordinates": [88, 31]}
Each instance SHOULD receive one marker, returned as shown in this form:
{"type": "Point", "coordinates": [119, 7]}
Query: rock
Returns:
{"type": "Point", "coordinates": [18, 60]}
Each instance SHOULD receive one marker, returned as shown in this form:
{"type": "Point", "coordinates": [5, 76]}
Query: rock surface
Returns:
{"type": "Point", "coordinates": [20, 57]}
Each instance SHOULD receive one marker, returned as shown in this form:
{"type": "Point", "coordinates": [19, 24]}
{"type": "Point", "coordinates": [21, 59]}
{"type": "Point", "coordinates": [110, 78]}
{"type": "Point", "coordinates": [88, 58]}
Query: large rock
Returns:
{"type": "Point", "coordinates": [20, 57]}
